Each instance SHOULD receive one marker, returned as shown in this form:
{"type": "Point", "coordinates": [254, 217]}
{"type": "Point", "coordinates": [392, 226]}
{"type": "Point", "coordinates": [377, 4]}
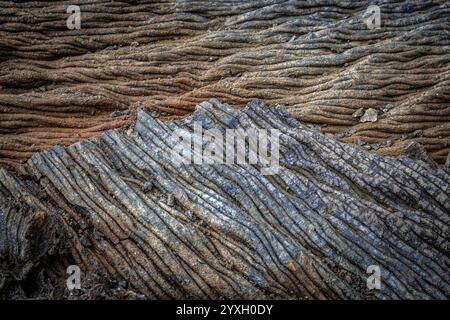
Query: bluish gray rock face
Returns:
{"type": "Point", "coordinates": [310, 231]}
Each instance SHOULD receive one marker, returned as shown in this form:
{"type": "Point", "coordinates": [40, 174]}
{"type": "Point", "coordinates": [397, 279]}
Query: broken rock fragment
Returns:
{"type": "Point", "coordinates": [358, 113]}
{"type": "Point", "coordinates": [370, 115]}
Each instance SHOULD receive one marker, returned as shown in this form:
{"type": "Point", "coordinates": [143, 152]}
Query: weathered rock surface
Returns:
{"type": "Point", "coordinates": [58, 86]}
{"type": "Point", "coordinates": [309, 231]}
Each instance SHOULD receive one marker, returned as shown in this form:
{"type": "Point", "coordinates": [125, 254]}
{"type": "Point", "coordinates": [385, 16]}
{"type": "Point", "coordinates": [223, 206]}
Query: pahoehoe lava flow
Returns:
{"type": "Point", "coordinates": [308, 232]}
{"type": "Point", "coordinates": [88, 176]}
{"type": "Point", "coordinates": [58, 86]}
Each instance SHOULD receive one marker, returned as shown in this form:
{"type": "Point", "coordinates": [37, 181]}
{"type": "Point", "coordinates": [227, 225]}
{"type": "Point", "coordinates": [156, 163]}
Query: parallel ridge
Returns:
{"type": "Point", "coordinates": [58, 86]}
{"type": "Point", "coordinates": [309, 231]}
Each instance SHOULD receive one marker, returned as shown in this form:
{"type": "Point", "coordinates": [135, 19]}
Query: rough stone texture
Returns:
{"type": "Point", "coordinates": [58, 86]}
{"type": "Point", "coordinates": [309, 231]}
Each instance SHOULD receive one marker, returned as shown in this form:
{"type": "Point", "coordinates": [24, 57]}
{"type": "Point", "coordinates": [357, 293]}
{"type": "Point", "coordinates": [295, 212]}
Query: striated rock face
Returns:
{"type": "Point", "coordinates": [121, 206]}
{"type": "Point", "coordinates": [58, 86]}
